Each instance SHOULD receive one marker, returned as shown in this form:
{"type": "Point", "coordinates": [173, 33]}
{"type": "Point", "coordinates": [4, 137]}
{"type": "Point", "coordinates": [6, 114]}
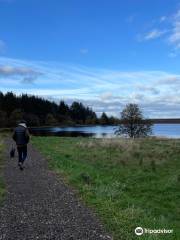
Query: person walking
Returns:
{"type": "Point", "coordinates": [21, 137]}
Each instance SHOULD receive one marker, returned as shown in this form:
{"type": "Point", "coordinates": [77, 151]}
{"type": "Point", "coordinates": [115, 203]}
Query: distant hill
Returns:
{"type": "Point", "coordinates": [161, 120]}
{"type": "Point", "coordinates": [165, 120]}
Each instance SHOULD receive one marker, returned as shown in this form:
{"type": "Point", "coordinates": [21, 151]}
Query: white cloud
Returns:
{"type": "Point", "coordinates": [175, 80]}
{"type": "Point", "coordinates": [145, 88]}
{"type": "Point", "coordinates": [7, 70]}
{"type": "Point", "coordinates": [174, 38]}
{"type": "Point", "coordinates": [102, 89]}
{"type": "Point", "coordinates": [167, 27]}
{"type": "Point", "coordinates": [22, 74]}
{"type": "Point", "coordinates": [155, 33]}
{"type": "Point", "coordinates": [106, 96]}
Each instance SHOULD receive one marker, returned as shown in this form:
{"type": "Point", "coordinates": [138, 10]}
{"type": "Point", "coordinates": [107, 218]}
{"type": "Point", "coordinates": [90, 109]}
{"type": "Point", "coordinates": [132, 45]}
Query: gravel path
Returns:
{"type": "Point", "coordinates": [38, 205]}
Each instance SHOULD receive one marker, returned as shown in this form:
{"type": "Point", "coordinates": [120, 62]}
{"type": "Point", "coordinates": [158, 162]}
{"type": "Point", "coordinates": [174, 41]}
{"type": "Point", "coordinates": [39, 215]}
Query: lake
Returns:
{"type": "Point", "coordinates": [164, 130]}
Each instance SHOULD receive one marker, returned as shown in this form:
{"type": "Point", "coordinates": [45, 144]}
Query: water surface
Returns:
{"type": "Point", "coordinates": [164, 130]}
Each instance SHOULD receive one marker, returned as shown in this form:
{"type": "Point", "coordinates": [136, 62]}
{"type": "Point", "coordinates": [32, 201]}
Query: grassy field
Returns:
{"type": "Point", "coordinates": [128, 183]}
{"type": "Point", "coordinates": [2, 186]}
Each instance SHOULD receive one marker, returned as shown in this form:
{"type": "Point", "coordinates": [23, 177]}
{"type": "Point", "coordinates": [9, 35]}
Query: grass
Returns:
{"type": "Point", "coordinates": [128, 183]}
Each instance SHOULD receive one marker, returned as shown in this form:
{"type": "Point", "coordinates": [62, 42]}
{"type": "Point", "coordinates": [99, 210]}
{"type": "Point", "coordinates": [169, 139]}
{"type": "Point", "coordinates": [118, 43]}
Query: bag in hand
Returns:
{"type": "Point", "coordinates": [12, 153]}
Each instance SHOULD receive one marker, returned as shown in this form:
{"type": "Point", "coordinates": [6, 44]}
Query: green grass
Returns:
{"type": "Point", "coordinates": [128, 183]}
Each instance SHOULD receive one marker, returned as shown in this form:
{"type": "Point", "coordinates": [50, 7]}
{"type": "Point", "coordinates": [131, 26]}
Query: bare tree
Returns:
{"type": "Point", "coordinates": [132, 122]}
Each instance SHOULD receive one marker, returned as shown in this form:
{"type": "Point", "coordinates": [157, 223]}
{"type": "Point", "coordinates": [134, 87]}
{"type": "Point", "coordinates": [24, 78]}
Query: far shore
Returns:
{"type": "Point", "coordinates": [154, 121]}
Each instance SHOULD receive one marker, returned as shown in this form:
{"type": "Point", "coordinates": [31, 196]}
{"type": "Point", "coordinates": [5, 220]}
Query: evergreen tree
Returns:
{"type": "Point", "coordinates": [50, 120]}
{"type": "Point", "coordinates": [35, 109]}
{"type": "Point", "coordinates": [31, 119]}
{"type": "Point", "coordinates": [104, 119]}
{"type": "Point", "coordinates": [63, 108]}
{"type": "Point", "coordinates": [15, 117]}
{"type": "Point", "coordinates": [3, 119]}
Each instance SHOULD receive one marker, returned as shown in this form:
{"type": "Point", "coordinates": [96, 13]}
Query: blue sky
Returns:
{"type": "Point", "coordinates": [103, 53]}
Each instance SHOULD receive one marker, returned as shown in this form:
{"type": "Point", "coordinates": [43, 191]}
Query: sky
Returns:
{"type": "Point", "coordinates": [104, 53]}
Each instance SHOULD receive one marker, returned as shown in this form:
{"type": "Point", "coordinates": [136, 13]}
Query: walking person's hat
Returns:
{"type": "Point", "coordinates": [22, 123]}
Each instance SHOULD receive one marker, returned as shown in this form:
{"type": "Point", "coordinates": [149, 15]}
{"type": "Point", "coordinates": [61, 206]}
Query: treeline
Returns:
{"type": "Point", "coordinates": [166, 120]}
{"type": "Point", "coordinates": [40, 112]}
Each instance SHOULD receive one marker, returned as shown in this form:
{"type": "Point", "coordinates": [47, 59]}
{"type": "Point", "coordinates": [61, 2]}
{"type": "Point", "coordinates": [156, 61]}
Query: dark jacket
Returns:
{"type": "Point", "coordinates": [21, 135]}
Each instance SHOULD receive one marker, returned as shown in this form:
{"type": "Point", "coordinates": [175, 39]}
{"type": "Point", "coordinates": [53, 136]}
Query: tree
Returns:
{"type": "Point", "coordinates": [113, 120]}
{"type": "Point", "coordinates": [9, 103]}
{"type": "Point", "coordinates": [63, 108]}
{"type": "Point", "coordinates": [35, 110]}
{"type": "Point", "coordinates": [50, 120]}
{"type": "Point", "coordinates": [15, 117]}
{"type": "Point", "coordinates": [104, 119]}
{"type": "Point", "coordinates": [63, 112]}
{"type": "Point", "coordinates": [91, 120]}
{"type": "Point", "coordinates": [132, 122]}
{"type": "Point", "coordinates": [3, 119]}
{"type": "Point", "coordinates": [31, 119]}
{"type": "Point", "coordinates": [80, 113]}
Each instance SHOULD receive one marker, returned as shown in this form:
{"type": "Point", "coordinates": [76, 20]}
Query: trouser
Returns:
{"type": "Point", "coordinates": [22, 153]}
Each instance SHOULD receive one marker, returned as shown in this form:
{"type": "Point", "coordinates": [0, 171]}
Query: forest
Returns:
{"type": "Point", "coordinates": [38, 111]}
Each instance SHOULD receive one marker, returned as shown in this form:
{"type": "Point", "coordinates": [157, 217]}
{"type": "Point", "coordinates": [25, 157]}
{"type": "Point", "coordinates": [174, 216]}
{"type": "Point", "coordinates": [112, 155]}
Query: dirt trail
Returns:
{"type": "Point", "coordinates": [39, 205]}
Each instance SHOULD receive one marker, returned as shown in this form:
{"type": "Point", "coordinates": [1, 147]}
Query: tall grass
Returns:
{"type": "Point", "coordinates": [128, 183]}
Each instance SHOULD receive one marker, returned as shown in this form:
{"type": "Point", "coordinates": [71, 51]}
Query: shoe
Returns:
{"type": "Point", "coordinates": [20, 166]}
